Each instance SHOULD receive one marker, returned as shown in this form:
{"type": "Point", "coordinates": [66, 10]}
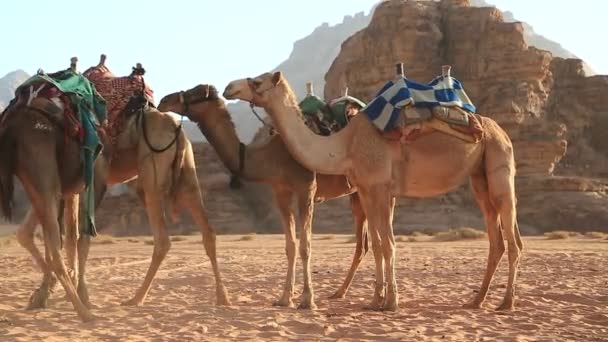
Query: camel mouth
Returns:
{"type": "Point", "coordinates": [162, 107]}
{"type": "Point", "coordinates": [230, 95]}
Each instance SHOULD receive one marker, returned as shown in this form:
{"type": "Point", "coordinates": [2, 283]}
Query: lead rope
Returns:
{"type": "Point", "coordinates": [272, 129]}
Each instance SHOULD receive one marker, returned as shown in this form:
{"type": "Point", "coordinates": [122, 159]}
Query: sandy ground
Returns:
{"type": "Point", "coordinates": [562, 294]}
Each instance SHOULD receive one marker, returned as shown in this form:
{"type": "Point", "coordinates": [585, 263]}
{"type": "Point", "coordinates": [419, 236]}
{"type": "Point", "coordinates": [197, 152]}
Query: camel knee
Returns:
{"type": "Point", "coordinates": [388, 249]}
{"type": "Point", "coordinates": [25, 237]}
{"type": "Point", "coordinates": [162, 247]}
{"type": "Point", "coordinates": [497, 246]}
{"type": "Point", "coordinates": [305, 250]}
{"type": "Point", "coordinates": [290, 247]}
{"type": "Point", "coordinates": [514, 252]}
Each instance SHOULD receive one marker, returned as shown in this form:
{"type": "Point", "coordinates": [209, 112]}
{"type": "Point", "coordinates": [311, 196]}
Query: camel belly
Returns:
{"type": "Point", "coordinates": [123, 167]}
{"type": "Point", "coordinates": [434, 165]}
{"type": "Point", "coordinates": [332, 186]}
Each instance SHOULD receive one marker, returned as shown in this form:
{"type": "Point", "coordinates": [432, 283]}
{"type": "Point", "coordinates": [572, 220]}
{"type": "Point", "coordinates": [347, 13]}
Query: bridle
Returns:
{"type": "Point", "coordinates": [188, 103]}
{"type": "Point", "coordinates": [253, 105]}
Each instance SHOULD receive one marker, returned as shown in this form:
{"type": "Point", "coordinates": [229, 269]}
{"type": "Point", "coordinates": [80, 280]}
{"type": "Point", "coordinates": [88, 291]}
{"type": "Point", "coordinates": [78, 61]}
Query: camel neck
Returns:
{"type": "Point", "coordinates": [321, 154]}
{"type": "Point", "coordinates": [220, 132]}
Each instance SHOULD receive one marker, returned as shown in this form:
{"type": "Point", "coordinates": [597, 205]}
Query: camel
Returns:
{"type": "Point", "coordinates": [169, 175]}
{"type": "Point", "coordinates": [382, 169]}
{"type": "Point", "coordinates": [271, 163]}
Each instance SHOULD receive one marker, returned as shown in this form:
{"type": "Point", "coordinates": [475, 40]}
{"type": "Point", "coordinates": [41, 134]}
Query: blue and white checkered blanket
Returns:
{"type": "Point", "coordinates": [383, 111]}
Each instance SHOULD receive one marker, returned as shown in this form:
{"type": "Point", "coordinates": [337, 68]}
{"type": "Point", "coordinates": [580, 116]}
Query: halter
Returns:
{"type": "Point", "coordinates": [252, 107]}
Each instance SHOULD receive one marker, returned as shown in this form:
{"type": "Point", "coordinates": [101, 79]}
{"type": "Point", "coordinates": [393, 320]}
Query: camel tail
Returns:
{"type": "Point", "coordinates": [8, 161]}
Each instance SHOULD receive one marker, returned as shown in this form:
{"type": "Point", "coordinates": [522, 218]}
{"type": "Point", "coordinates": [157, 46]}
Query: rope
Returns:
{"type": "Point", "coordinates": [272, 129]}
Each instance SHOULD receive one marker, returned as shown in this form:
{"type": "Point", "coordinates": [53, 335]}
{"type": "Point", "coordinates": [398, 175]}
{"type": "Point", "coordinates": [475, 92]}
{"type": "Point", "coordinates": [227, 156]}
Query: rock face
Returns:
{"type": "Point", "coordinates": [552, 112]}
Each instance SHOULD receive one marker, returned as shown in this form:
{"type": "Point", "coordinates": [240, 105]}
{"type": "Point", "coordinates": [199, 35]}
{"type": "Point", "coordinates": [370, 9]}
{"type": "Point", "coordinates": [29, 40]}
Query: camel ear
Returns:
{"type": "Point", "coordinates": [276, 77]}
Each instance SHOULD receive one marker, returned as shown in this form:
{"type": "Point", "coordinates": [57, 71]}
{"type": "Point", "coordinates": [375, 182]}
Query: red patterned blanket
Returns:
{"type": "Point", "coordinates": [118, 91]}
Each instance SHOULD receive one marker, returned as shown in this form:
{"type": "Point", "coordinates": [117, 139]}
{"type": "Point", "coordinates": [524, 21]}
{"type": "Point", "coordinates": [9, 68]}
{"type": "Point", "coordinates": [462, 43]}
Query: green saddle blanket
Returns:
{"type": "Point", "coordinates": [329, 118]}
{"type": "Point", "coordinates": [90, 111]}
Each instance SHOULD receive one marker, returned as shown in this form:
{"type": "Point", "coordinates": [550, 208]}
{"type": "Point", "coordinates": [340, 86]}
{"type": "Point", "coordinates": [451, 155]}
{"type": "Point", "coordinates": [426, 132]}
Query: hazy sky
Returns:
{"type": "Point", "coordinates": [183, 43]}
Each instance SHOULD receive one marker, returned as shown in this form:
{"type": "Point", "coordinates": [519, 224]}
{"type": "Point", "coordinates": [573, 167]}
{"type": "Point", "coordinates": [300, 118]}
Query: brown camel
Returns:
{"type": "Point", "coordinates": [271, 163]}
{"type": "Point", "coordinates": [381, 169]}
{"type": "Point", "coordinates": [169, 175]}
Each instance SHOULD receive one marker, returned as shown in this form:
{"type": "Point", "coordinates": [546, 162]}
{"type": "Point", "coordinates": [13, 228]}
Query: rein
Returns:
{"type": "Point", "coordinates": [142, 115]}
{"type": "Point", "coordinates": [177, 132]}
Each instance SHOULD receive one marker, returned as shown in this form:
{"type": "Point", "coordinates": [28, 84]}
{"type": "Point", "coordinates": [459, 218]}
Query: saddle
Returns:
{"type": "Point", "coordinates": [415, 123]}
{"type": "Point", "coordinates": [328, 118]}
{"type": "Point", "coordinates": [124, 95]}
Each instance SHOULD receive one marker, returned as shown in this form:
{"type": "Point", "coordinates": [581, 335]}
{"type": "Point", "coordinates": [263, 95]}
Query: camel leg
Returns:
{"type": "Point", "coordinates": [46, 205]}
{"type": "Point", "coordinates": [162, 244]}
{"type": "Point", "coordinates": [361, 247]}
{"type": "Point", "coordinates": [386, 206]}
{"type": "Point", "coordinates": [193, 200]}
{"type": "Point", "coordinates": [48, 217]}
{"type": "Point", "coordinates": [84, 240]}
{"type": "Point", "coordinates": [508, 222]}
{"type": "Point", "coordinates": [306, 208]}
{"type": "Point", "coordinates": [479, 186]}
{"type": "Point", "coordinates": [371, 214]}
{"type": "Point", "coordinates": [25, 237]}
{"type": "Point", "coordinates": [283, 201]}
{"type": "Point", "coordinates": [71, 235]}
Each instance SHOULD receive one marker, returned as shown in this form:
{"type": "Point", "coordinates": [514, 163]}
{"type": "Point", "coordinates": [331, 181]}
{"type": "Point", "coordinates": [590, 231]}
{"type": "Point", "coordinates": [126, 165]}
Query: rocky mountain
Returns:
{"type": "Point", "coordinates": [9, 83]}
{"type": "Point", "coordinates": [534, 39]}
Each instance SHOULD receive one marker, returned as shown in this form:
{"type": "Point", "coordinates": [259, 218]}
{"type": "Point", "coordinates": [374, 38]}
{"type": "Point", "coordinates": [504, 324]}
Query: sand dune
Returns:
{"type": "Point", "coordinates": [562, 292]}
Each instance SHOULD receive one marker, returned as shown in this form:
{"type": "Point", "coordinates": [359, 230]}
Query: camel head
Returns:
{"type": "Point", "coordinates": [256, 90]}
{"type": "Point", "coordinates": [191, 103]}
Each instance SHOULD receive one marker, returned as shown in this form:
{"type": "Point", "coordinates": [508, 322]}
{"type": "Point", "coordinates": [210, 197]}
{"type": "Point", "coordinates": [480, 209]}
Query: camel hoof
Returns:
{"type": "Point", "coordinates": [307, 306]}
{"type": "Point", "coordinates": [132, 302]}
{"type": "Point", "coordinates": [392, 307]}
{"type": "Point", "coordinates": [223, 302]}
{"type": "Point", "coordinates": [506, 306]}
{"type": "Point", "coordinates": [373, 306]}
{"type": "Point", "coordinates": [88, 318]}
{"type": "Point", "coordinates": [38, 300]}
{"type": "Point", "coordinates": [471, 305]}
{"type": "Point", "coordinates": [222, 297]}
{"type": "Point", "coordinates": [337, 295]}
{"type": "Point", "coordinates": [283, 303]}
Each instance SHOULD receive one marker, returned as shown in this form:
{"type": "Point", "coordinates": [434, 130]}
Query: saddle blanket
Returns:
{"type": "Point", "coordinates": [384, 110]}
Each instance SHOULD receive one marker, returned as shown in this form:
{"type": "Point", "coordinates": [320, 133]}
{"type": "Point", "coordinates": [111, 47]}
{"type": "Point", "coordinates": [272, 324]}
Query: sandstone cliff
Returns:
{"type": "Point", "coordinates": [553, 113]}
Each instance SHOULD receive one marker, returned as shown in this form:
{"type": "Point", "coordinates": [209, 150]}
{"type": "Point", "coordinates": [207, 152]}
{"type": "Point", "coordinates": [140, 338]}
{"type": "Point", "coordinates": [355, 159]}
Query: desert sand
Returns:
{"type": "Point", "coordinates": [562, 293]}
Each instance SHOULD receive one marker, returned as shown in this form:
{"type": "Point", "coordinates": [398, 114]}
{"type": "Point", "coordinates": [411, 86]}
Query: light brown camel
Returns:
{"type": "Point", "coordinates": [169, 176]}
{"type": "Point", "coordinates": [382, 169]}
{"type": "Point", "coordinates": [272, 164]}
